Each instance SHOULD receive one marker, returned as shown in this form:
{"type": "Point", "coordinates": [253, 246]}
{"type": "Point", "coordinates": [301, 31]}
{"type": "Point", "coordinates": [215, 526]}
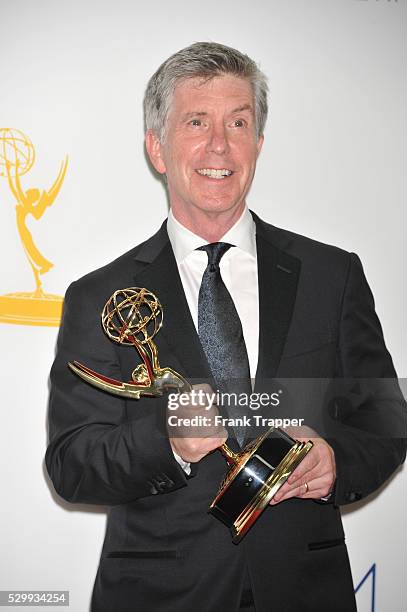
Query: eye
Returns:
{"type": "Point", "coordinates": [239, 123]}
{"type": "Point", "coordinates": [195, 122]}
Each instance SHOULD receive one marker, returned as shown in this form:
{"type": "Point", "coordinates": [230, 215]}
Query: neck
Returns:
{"type": "Point", "coordinates": [209, 225]}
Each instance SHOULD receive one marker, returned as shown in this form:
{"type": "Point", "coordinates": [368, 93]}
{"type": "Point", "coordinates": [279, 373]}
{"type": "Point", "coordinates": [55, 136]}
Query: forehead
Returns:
{"type": "Point", "coordinates": [220, 92]}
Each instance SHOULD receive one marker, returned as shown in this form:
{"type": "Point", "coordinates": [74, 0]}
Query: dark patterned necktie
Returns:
{"type": "Point", "coordinates": [221, 334]}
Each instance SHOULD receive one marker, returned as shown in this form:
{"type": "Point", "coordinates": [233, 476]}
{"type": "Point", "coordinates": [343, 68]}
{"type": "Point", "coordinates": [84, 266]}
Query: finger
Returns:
{"type": "Point", "coordinates": [325, 468]}
{"type": "Point", "coordinates": [194, 449]}
{"type": "Point", "coordinates": [320, 457]}
{"type": "Point", "coordinates": [309, 463]}
{"type": "Point", "coordinates": [204, 393]}
{"type": "Point", "coordinates": [323, 474]}
{"type": "Point", "coordinates": [213, 443]}
{"type": "Point", "coordinates": [288, 490]}
{"type": "Point", "coordinates": [315, 489]}
{"type": "Point", "coordinates": [286, 494]}
{"type": "Point", "coordinates": [198, 433]}
{"type": "Point", "coordinates": [217, 434]}
{"type": "Point", "coordinates": [204, 386]}
{"type": "Point", "coordinates": [281, 493]}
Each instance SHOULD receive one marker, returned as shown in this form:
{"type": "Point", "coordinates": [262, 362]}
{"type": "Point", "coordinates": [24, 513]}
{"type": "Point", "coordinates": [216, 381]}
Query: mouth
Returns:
{"type": "Point", "coordinates": [215, 173]}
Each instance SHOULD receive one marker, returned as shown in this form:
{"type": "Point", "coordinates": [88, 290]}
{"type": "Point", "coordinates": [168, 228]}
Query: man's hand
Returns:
{"type": "Point", "coordinates": [192, 443]}
{"type": "Point", "coordinates": [315, 476]}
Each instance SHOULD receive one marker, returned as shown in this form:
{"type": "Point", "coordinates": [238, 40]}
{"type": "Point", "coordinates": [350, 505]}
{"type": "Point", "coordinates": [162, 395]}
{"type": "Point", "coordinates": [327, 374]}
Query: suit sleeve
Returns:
{"type": "Point", "coordinates": [102, 449]}
{"type": "Point", "coordinates": [368, 417]}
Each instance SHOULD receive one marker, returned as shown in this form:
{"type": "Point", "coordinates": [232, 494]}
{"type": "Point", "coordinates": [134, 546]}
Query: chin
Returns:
{"type": "Point", "coordinates": [221, 205]}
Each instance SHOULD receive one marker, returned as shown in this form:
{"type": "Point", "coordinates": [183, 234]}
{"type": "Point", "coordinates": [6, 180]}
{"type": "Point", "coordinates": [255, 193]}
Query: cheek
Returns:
{"type": "Point", "coordinates": [180, 162]}
{"type": "Point", "coordinates": [182, 172]}
{"type": "Point", "coordinates": [245, 152]}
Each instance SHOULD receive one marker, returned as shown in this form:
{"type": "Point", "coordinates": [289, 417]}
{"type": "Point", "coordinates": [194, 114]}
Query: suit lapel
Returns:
{"type": "Point", "coordinates": [278, 274]}
{"type": "Point", "coordinates": [161, 276]}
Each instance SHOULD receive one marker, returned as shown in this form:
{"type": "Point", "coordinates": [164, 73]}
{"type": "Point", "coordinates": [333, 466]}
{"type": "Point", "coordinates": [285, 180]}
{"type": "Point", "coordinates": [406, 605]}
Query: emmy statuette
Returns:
{"type": "Point", "coordinates": [133, 316]}
{"type": "Point", "coordinates": [17, 156]}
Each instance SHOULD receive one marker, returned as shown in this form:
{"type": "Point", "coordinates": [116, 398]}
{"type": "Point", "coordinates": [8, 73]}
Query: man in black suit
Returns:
{"type": "Point", "coordinates": [307, 316]}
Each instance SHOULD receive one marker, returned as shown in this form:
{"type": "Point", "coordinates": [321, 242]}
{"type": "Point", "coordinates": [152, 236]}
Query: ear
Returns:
{"type": "Point", "coordinates": [259, 145]}
{"type": "Point", "coordinates": [154, 150]}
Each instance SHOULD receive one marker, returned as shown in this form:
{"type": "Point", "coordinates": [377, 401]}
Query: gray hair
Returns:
{"type": "Point", "coordinates": [206, 60]}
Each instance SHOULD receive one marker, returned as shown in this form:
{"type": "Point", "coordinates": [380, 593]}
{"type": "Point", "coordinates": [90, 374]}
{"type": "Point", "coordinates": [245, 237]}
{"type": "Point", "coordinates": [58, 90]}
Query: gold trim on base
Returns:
{"type": "Point", "coordinates": [282, 472]}
{"type": "Point", "coordinates": [31, 309]}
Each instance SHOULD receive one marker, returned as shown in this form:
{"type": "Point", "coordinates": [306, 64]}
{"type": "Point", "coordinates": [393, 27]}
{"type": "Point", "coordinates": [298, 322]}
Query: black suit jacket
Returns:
{"type": "Point", "coordinates": [162, 550]}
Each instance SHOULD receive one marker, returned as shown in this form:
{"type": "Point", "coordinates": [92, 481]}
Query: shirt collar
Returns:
{"type": "Point", "coordinates": [242, 235]}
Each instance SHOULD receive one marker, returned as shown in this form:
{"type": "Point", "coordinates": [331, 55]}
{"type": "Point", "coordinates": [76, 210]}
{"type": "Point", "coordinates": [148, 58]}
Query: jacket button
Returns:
{"type": "Point", "coordinates": [354, 496]}
{"type": "Point", "coordinates": [162, 482]}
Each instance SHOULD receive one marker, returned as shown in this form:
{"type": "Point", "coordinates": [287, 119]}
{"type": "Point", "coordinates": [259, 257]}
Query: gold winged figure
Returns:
{"type": "Point", "coordinates": [33, 202]}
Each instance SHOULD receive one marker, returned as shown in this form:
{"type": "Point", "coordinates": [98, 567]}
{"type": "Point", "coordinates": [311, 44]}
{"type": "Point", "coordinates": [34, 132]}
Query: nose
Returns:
{"type": "Point", "coordinates": [217, 139]}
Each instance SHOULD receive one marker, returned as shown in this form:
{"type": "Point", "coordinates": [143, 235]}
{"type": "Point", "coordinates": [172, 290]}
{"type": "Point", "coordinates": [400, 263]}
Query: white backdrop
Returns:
{"type": "Point", "coordinates": [333, 167]}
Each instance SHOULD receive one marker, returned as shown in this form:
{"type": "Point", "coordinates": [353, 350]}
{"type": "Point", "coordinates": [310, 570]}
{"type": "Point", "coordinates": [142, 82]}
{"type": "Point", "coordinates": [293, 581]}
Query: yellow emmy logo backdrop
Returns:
{"type": "Point", "coordinates": [17, 156]}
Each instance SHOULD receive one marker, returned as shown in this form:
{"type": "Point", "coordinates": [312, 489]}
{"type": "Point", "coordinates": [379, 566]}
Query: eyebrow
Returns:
{"type": "Point", "coordinates": [193, 114]}
{"type": "Point", "coordinates": [239, 109]}
{"type": "Point", "coordinates": [244, 107]}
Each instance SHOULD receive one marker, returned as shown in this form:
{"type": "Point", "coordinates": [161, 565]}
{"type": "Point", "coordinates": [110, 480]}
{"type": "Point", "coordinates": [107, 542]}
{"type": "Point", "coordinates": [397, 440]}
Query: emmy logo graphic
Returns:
{"type": "Point", "coordinates": [17, 156]}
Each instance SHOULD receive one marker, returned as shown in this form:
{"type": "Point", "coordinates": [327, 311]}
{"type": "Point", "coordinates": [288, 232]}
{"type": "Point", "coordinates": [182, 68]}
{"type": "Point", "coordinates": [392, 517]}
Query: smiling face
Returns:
{"type": "Point", "coordinates": [210, 148]}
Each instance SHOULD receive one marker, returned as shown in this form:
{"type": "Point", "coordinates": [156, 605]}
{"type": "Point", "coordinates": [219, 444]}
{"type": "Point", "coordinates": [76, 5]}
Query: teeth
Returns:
{"type": "Point", "coordinates": [216, 174]}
